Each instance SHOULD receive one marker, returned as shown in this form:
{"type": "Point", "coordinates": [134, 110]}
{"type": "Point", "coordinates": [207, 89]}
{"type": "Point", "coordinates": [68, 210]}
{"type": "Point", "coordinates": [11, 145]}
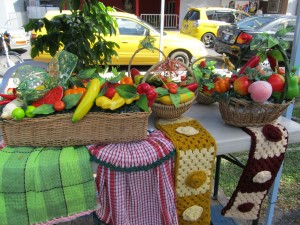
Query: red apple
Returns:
{"type": "Point", "coordinates": [241, 84]}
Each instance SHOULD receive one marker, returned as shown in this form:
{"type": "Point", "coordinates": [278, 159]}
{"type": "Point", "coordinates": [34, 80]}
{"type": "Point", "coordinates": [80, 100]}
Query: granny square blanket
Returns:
{"type": "Point", "coordinates": [135, 182]}
{"type": "Point", "coordinates": [268, 146]}
{"type": "Point", "coordinates": [195, 155]}
{"type": "Point", "coordinates": [45, 185]}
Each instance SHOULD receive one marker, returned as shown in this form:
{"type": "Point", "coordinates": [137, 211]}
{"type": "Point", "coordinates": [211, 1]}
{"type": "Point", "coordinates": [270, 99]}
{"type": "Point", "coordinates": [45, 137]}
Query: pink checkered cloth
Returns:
{"type": "Point", "coordinates": [135, 182]}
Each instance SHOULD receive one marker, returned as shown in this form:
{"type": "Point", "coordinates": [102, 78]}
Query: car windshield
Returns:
{"type": "Point", "coordinates": [254, 22]}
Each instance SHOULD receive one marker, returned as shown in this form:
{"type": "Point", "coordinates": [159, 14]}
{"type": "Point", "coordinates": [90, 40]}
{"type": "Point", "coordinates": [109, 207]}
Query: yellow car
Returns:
{"type": "Point", "coordinates": [203, 23]}
{"type": "Point", "coordinates": [131, 30]}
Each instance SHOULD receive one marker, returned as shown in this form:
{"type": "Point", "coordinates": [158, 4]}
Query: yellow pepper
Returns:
{"type": "Point", "coordinates": [105, 103]}
{"type": "Point", "coordinates": [185, 97]}
{"type": "Point", "coordinates": [130, 100]}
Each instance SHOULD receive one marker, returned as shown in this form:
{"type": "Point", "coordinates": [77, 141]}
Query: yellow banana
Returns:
{"type": "Point", "coordinates": [88, 100]}
{"type": "Point", "coordinates": [185, 97]}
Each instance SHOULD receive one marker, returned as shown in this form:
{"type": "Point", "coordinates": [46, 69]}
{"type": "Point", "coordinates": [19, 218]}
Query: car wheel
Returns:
{"type": "Point", "coordinates": [208, 40]}
{"type": "Point", "coordinates": [181, 56]}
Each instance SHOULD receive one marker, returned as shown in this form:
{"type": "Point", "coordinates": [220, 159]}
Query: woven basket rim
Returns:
{"type": "Point", "coordinates": [242, 113]}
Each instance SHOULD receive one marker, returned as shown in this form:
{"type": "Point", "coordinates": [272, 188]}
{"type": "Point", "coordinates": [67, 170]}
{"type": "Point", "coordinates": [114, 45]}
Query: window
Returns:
{"type": "Point", "coordinates": [129, 27]}
{"type": "Point", "coordinates": [192, 15]}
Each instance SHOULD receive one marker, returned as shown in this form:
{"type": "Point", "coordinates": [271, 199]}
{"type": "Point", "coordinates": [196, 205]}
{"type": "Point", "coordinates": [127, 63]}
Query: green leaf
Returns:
{"type": "Point", "coordinates": [126, 91]}
{"type": "Point", "coordinates": [142, 103]}
{"type": "Point", "coordinates": [161, 91]}
{"type": "Point", "coordinates": [175, 98]}
{"type": "Point", "coordinates": [86, 74]}
{"type": "Point", "coordinates": [182, 90]}
{"type": "Point", "coordinates": [44, 109]}
{"type": "Point", "coordinates": [272, 42]}
{"type": "Point", "coordinates": [71, 100]}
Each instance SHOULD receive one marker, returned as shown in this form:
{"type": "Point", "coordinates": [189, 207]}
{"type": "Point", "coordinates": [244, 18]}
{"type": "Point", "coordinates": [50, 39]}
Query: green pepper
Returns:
{"type": "Point", "coordinates": [293, 88]}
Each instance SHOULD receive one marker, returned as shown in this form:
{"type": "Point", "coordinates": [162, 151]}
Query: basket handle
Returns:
{"type": "Point", "coordinates": [136, 52]}
{"type": "Point", "coordinates": [223, 58]}
{"type": "Point", "coordinates": [166, 61]}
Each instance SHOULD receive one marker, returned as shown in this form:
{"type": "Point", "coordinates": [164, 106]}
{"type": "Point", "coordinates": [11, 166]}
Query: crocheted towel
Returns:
{"type": "Point", "coordinates": [195, 155]}
{"type": "Point", "coordinates": [135, 182]}
{"type": "Point", "coordinates": [268, 146]}
{"type": "Point", "coordinates": [45, 185]}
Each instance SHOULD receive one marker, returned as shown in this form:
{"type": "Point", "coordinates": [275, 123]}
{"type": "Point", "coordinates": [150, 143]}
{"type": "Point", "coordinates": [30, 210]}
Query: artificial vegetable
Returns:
{"type": "Point", "coordinates": [8, 97]}
{"type": "Point", "coordinates": [185, 97]}
{"type": "Point", "coordinates": [7, 110]}
{"type": "Point", "coordinates": [172, 87]}
{"type": "Point", "coordinates": [252, 63]}
{"type": "Point", "coordinates": [88, 100]}
{"type": "Point", "coordinates": [149, 91]}
{"type": "Point", "coordinates": [76, 90]}
{"type": "Point", "coordinates": [274, 64]}
{"type": "Point", "coordinates": [192, 86]}
{"type": "Point", "coordinates": [105, 103]}
{"type": "Point", "coordinates": [126, 80]}
{"type": "Point", "coordinates": [293, 88]}
{"type": "Point", "coordinates": [50, 97]}
{"type": "Point", "coordinates": [222, 85]}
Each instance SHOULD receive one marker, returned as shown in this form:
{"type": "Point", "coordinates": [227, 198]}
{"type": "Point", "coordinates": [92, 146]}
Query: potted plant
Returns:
{"type": "Point", "coordinates": [81, 32]}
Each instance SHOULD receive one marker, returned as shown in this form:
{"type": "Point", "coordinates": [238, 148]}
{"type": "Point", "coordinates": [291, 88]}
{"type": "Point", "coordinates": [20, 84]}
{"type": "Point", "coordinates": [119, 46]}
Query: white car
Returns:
{"type": "Point", "coordinates": [16, 37]}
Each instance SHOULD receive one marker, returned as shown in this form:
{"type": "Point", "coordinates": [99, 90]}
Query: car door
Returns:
{"type": "Point", "coordinates": [130, 34]}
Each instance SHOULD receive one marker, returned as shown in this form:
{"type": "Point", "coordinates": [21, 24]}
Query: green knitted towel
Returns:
{"type": "Point", "coordinates": [39, 185]}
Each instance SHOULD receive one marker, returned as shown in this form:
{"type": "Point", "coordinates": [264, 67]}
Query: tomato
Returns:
{"type": "Point", "coordinates": [110, 92]}
{"type": "Point", "coordinates": [208, 90]}
{"type": "Point", "coordinates": [202, 64]}
{"type": "Point", "coordinates": [277, 82]}
{"type": "Point", "coordinates": [241, 84]}
{"type": "Point", "coordinates": [59, 106]}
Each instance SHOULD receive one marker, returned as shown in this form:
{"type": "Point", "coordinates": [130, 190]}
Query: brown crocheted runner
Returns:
{"type": "Point", "coordinates": [268, 146]}
{"type": "Point", "coordinates": [195, 155]}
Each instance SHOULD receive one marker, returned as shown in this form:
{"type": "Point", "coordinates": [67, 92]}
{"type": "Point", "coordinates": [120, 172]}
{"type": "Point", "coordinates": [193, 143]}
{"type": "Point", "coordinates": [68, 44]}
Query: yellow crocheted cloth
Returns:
{"type": "Point", "coordinates": [195, 155]}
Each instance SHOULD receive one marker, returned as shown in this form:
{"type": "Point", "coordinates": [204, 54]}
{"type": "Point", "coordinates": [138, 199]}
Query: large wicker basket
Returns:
{"type": "Point", "coordinates": [170, 111]}
{"type": "Point", "coordinates": [221, 68]}
{"type": "Point", "coordinates": [58, 129]}
{"type": "Point", "coordinates": [242, 113]}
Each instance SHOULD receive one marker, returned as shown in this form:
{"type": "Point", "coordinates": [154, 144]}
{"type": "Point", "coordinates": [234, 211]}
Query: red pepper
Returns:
{"type": "Point", "coordinates": [3, 102]}
{"type": "Point", "coordinates": [142, 88]}
{"type": "Point", "coordinates": [192, 86]}
{"type": "Point", "coordinates": [151, 96]}
{"type": "Point", "coordinates": [9, 97]}
{"type": "Point", "coordinates": [274, 65]}
{"type": "Point", "coordinates": [172, 87]}
{"type": "Point", "coordinates": [252, 62]}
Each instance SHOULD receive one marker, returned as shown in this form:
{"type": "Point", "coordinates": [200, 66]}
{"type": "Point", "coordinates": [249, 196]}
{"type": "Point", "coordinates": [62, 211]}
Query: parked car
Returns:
{"type": "Point", "coordinates": [233, 39]}
{"type": "Point", "coordinates": [16, 38]}
{"type": "Point", "coordinates": [203, 23]}
{"type": "Point", "coordinates": [131, 30]}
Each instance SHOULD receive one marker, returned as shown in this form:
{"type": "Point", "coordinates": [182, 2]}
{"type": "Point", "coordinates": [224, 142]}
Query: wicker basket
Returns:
{"type": "Point", "coordinates": [204, 99]}
{"type": "Point", "coordinates": [242, 113]}
{"type": "Point", "coordinates": [58, 129]}
{"type": "Point", "coordinates": [170, 111]}
{"type": "Point", "coordinates": [221, 67]}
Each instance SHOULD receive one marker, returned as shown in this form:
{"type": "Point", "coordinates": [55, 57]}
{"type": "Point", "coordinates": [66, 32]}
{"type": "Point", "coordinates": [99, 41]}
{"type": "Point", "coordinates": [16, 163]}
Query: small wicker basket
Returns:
{"type": "Point", "coordinates": [221, 63]}
{"type": "Point", "coordinates": [170, 111]}
{"type": "Point", "coordinates": [58, 129]}
{"type": "Point", "coordinates": [242, 113]}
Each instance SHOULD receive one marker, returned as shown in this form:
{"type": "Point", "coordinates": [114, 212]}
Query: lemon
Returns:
{"type": "Point", "coordinates": [18, 113]}
{"type": "Point", "coordinates": [29, 111]}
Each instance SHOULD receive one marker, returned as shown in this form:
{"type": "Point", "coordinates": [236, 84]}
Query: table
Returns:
{"type": "Point", "coordinates": [231, 139]}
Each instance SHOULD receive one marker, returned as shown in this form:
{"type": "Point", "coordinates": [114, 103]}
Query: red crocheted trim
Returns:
{"type": "Point", "coordinates": [272, 133]}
